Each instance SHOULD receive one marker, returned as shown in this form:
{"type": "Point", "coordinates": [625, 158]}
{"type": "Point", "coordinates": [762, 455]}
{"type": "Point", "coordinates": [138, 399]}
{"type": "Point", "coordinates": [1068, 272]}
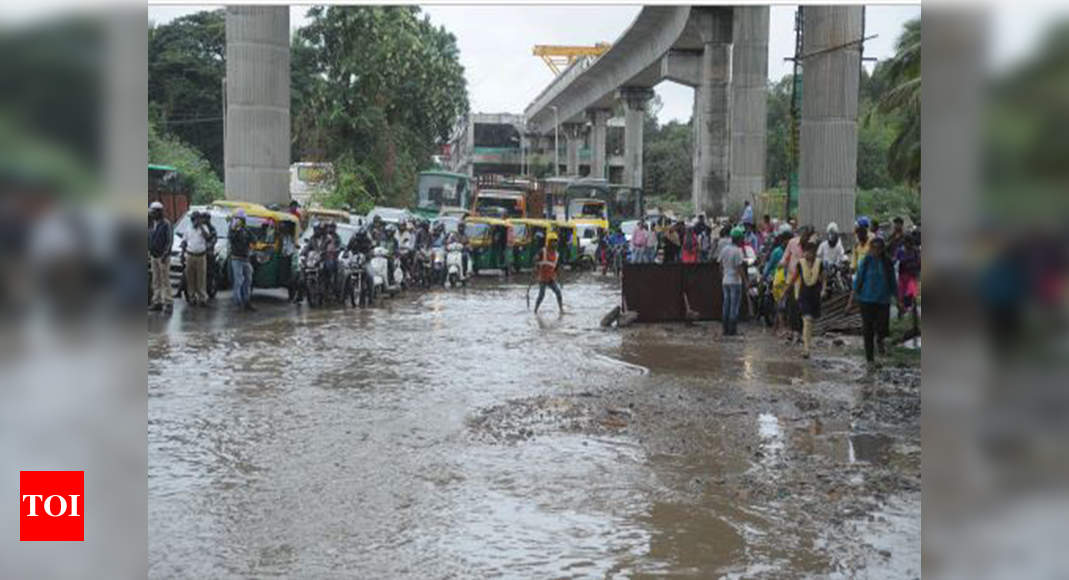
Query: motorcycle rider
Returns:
{"type": "Point", "coordinates": [361, 243]}
{"type": "Point", "coordinates": [438, 237]}
{"type": "Point", "coordinates": [831, 250]}
{"type": "Point", "coordinates": [378, 230]}
{"type": "Point", "coordinates": [332, 247]}
{"type": "Point", "coordinates": [461, 238]}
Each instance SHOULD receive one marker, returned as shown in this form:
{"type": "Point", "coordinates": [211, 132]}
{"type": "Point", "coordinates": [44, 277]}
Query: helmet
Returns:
{"type": "Point", "coordinates": [155, 205]}
{"type": "Point", "coordinates": [377, 219]}
{"type": "Point", "coordinates": [863, 222]}
{"type": "Point", "coordinates": [737, 232]}
{"type": "Point", "coordinates": [785, 228]}
{"type": "Point", "coordinates": [239, 214]}
{"type": "Point", "coordinates": [552, 239]}
{"type": "Point", "coordinates": [833, 228]}
{"type": "Point", "coordinates": [460, 226]}
{"type": "Point", "coordinates": [318, 227]}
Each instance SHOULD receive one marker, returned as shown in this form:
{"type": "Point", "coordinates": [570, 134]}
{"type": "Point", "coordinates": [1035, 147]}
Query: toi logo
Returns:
{"type": "Point", "coordinates": [51, 506]}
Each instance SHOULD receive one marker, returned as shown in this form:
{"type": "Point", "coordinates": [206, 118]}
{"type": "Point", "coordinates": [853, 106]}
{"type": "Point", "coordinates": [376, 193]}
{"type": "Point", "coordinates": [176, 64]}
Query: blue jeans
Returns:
{"type": "Point", "coordinates": [732, 300]}
{"type": "Point", "coordinates": [241, 275]}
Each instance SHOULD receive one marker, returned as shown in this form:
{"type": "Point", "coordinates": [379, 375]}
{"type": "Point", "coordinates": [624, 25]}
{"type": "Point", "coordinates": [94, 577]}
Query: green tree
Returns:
{"type": "Point", "coordinates": [165, 149]}
{"type": "Point", "coordinates": [186, 67]}
{"type": "Point", "coordinates": [667, 156]}
{"type": "Point", "coordinates": [380, 86]}
{"type": "Point", "coordinates": [903, 99]}
{"type": "Point", "coordinates": [778, 143]}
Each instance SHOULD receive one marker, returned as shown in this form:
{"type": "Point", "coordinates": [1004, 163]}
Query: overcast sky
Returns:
{"type": "Point", "coordinates": [503, 76]}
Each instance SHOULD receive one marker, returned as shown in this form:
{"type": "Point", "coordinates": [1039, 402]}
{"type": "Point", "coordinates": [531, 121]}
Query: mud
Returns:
{"type": "Point", "coordinates": [454, 434]}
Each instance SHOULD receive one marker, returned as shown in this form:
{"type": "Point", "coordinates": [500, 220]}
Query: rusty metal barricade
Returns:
{"type": "Point", "coordinates": [662, 292]}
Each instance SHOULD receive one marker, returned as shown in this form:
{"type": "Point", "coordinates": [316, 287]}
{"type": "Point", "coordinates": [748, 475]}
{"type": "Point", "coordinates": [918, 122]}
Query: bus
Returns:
{"type": "Point", "coordinates": [442, 189]}
{"type": "Point", "coordinates": [309, 179]}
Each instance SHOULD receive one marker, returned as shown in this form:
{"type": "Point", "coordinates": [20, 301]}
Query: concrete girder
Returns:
{"type": "Point", "coordinates": [257, 135]}
{"type": "Point", "coordinates": [831, 77]}
{"type": "Point", "coordinates": [634, 60]}
{"type": "Point", "coordinates": [635, 100]}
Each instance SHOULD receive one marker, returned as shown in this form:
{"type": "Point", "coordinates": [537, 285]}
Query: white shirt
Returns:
{"type": "Point", "coordinates": [830, 255]}
{"type": "Point", "coordinates": [196, 240]}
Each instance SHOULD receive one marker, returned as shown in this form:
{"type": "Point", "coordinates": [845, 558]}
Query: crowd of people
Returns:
{"type": "Point", "coordinates": [794, 265]}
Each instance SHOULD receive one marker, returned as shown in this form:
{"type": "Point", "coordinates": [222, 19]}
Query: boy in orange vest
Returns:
{"type": "Point", "coordinates": [546, 270]}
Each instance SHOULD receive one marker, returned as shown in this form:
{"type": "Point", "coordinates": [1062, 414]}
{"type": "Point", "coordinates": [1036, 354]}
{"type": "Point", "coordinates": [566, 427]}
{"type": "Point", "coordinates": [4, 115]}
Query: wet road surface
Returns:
{"type": "Point", "coordinates": [453, 434]}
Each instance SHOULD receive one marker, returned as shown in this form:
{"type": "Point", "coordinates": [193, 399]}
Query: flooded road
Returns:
{"type": "Point", "coordinates": [453, 434]}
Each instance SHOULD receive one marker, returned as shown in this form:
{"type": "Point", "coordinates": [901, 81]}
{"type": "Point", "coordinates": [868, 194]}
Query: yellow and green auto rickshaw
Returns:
{"type": "Point", "coordinates": [524, 250]}
{"type": "Point", "coordinates": [491, 244]}
{"type": "Point", "coordinates": [323, 215]}
{"type": "Point", "coordinates": [274, 243]}
{"type": "Point", "coordinates": [567, 243]}
{"type": "Point", "coordinates": [233, 204]}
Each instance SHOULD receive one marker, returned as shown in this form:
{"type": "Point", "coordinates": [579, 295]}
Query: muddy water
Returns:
{"type": "Point", "coordinates": [454, 435]}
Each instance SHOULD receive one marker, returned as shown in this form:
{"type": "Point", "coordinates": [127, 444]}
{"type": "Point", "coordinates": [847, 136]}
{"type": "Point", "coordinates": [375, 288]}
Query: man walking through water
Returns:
{"type": "Point", "coordinates": [546, 271]}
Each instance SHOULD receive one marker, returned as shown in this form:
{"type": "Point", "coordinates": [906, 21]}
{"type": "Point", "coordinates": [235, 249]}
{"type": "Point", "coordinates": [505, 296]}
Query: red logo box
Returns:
{"type": "Point", "coordinates": [52, 506]}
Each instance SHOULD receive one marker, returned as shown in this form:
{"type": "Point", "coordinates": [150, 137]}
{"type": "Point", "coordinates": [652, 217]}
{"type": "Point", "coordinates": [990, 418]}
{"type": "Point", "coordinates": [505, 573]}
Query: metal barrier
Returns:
{"type": "Point", "coordinates": [662, 292]}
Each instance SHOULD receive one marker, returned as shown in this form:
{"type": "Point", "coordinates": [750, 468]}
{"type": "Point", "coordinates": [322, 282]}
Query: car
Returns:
{"type": "Point", "coordinates": [390, 215]}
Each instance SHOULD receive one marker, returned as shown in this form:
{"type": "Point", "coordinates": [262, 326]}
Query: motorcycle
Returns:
{"type": "Point", "coordinates": [454, 264]}
{"type": "Point", "coordinates": [838, 276]}
{"type": "Point", "coordinates": [357, 289]}
{"type": "Point", "coordinates": [312, 279]}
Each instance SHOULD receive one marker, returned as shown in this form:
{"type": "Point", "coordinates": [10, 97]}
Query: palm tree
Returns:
{"type": "Point", "coordinates": [904, 100]}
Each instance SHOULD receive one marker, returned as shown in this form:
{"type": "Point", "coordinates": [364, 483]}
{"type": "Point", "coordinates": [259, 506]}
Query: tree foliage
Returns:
{"type": "Point", "coordinates": [667, 155]}
{"type": "Point", "coordinates": [902, 98]}
{"type": "Point", "coordinates": [186, 67]}
{"type": "Point", "coordinates": [165, 149]}
{"type": "Point", "coordinates": [378, 87]}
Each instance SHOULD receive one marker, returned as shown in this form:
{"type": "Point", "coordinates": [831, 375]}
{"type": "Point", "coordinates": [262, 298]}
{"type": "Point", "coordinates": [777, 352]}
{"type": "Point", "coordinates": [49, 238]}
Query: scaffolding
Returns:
{"type": "Point", "coordinates": [558, 58]}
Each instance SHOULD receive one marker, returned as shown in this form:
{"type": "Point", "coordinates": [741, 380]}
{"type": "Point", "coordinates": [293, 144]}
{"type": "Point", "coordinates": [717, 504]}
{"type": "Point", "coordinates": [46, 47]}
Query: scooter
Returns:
{"type": "Point", "coordinates": [454, 264]}
{"type": "Point", "coordinates": [437, 265]}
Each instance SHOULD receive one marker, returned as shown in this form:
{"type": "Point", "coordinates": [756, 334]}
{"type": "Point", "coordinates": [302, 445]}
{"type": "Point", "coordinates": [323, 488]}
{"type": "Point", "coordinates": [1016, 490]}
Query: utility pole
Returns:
{"type": "Point", "coordinates": [556, 147]}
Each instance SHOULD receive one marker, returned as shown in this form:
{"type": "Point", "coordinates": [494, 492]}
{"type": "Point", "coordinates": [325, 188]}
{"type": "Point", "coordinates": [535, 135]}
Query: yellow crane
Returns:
{"type": "Point", "coordinates": [558, 57]}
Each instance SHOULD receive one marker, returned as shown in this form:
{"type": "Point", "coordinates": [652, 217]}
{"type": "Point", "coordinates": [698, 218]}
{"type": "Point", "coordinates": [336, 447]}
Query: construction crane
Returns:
{"type": "Point", "coordinates": [558, 58]}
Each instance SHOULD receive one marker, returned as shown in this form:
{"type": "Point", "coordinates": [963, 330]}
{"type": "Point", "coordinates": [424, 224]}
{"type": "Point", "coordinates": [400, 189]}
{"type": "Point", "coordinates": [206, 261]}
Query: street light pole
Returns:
{"type": "Point", "coordinates": [556, 146]}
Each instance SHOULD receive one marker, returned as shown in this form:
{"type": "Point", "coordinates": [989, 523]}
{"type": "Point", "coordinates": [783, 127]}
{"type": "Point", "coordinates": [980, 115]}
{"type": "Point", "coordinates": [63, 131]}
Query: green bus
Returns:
{"type": "Point", "coordinates": [438, 190]}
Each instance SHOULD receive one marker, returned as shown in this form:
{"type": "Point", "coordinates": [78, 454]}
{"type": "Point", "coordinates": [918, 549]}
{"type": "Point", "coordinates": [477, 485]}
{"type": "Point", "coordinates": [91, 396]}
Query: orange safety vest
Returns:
{"type": "Point", "coordinates": [547, 265]}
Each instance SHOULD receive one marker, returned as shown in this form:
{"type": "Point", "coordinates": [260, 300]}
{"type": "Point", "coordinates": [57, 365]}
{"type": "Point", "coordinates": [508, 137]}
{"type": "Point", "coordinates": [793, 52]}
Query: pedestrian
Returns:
{"type": "Point", "coordinates": [897, 237]}
{"type": "Point", "coordinates": [691, 246]}
{"type": "Point", "coordinates": [546, 271]}
{"type": "Point", "coordinates": [752, 239]}
{"type": "Point", "coordinates": [808, 281]}
{"type": "Point", "coordinates": [733, 276]}
{"type": "Point", "coordinates": [672, 243]}
{"type": "Point", "coordinates": [793, 254]}
{"type": "Point", "coordinates": [160, 238]}
{"type": "Point", "coordinates": [747, 213]}
{"type": "Point", "coordinates": [196, 244]}
{"type": "Point", "coordinates": [639, 242]}
{"type": "Point", "coordinates": [908, 258]}
{"type": "Point", "coordinates": [873, 288]}
{"type": "Point", "coordinates": [874, 230]}
{"type": "Point", "coordinates": [861, 247]}
{"type": "Point", "coordinates": [767, 229]}
{"type": "Point", "coordinates": [240, 265]}
{"type": "Point", "coordinates": [701, 228]}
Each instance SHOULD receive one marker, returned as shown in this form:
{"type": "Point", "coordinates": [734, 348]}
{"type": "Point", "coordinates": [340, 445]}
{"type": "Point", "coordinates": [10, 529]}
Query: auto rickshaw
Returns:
{"type": "Point", "coordinates": [524, 250]}
{"type": "Point", "coordinates": [491, 243]}
{"type": "Point", "coordinates": [274, 242]}
{"type": "Point", "coordinates": [324, 215]}
{"type": "Point", "coordinates": [233, 204]}
{"type": "Point", "coordinates": [567, 243]}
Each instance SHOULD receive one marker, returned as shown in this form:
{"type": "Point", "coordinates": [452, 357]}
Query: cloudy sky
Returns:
{"type": "Point", "coordinates": [503, 76]}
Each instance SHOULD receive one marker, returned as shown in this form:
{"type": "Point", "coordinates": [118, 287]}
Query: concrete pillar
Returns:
{"type": "Point", "coordinates": [749, 103]}
{"type": "Point", "coordinates": [469, 144]}
{"type": "Point", "coordinates": [573, 136]}
{"type": "Point", "coordinates": [713, 103]}
{"type": "Point", "coordinates": [635, 99]}
{"type": "Point", "coordinates": [827, 174]}
{"type": "Point", "coordinates": [257, 142]}
{"type": "Point", "coordinates": [598, 155]}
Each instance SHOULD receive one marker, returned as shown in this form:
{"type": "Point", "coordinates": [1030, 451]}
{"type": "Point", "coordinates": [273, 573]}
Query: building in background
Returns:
{"type": "Point", "coordinates": [497, 143]}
